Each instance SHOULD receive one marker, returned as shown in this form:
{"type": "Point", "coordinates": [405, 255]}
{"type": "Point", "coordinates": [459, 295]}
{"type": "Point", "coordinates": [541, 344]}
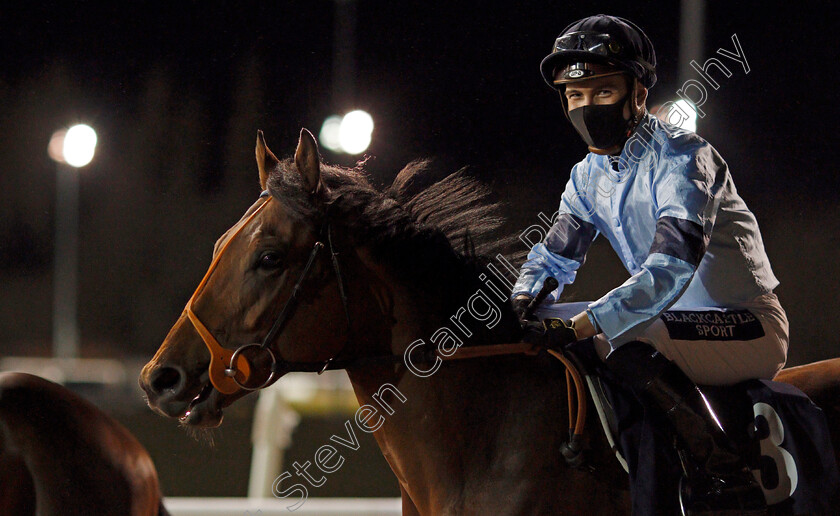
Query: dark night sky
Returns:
{"type": "Point", "coordinates": [460, 80]}
{"type": "Point", "coordinates": [457, 81]}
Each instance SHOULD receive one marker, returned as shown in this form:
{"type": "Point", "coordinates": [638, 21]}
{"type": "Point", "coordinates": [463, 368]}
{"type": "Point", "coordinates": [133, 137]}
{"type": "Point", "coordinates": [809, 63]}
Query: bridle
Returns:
{"type": "Point", "coordinates": [230, 371]}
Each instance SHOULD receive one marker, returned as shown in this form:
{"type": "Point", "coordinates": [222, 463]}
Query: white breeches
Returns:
{"type": "Point", "coordinates": [710, 353]}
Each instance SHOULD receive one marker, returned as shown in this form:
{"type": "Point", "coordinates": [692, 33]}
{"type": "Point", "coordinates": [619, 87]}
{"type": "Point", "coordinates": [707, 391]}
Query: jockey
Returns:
{"type": "Point", "coordinates": [698, 307]}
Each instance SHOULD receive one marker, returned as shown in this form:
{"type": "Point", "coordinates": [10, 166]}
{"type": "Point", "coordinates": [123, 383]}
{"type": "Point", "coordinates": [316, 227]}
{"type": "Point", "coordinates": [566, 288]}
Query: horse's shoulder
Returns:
{"type": "Point", "coordinates": [16, 388]}
{"type": "Point", "coordinates": [43, 403]}
{"type": "Point", "coordinates": [15, 380]}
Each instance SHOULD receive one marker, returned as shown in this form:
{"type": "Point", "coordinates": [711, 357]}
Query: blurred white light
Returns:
{"type": "Point", "coordinates": [329, 133]}
{"type": "Point", "coordinates": [355, 131]}
{"type": "Point", "coordinates": [79, 144]}
{"type": "Point", "coordinates": [683, 114]}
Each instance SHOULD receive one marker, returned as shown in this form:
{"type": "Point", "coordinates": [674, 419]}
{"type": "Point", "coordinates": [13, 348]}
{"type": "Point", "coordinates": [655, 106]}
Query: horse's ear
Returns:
{"type": "Point", "coordinates": [266, 160]}
{"type": "Point", "coordinates": [308, 163]}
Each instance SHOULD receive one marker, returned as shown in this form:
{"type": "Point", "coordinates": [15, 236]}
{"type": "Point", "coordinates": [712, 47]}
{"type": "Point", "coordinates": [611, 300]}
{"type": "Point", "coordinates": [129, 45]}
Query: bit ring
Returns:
{"type": "Point", "coordinates": [231, 371]}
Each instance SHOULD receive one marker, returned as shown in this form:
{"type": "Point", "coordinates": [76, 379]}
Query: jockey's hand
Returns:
{"type": "Point", "coordinates": [523, 301]}
{"type": "Point", "coordinates": [552, 333]}
{"type": "Point", "coordinates": [520, 307]}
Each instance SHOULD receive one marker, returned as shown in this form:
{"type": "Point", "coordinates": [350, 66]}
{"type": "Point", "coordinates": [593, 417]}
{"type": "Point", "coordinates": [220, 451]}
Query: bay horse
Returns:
{"type": "Point", "coordinates": [62, 456]}
{"type": "Point", "coordinates": [465, 437]}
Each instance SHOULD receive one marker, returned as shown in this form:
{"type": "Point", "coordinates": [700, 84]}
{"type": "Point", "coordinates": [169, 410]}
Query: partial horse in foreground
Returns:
{"type": "Point", "coordinates": [62, 456]}
{"type": "Point", "coordinates": [324, 271]}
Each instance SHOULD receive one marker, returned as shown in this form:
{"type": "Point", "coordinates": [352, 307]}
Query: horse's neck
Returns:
{"type": "Point", "coordinates": [467, 427]}
{"type": "Point", "coordinates": [454, 426]}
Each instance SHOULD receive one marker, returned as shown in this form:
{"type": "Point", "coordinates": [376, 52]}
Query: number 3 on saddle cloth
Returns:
{"type": "Point", "coordinates": [781, 434]}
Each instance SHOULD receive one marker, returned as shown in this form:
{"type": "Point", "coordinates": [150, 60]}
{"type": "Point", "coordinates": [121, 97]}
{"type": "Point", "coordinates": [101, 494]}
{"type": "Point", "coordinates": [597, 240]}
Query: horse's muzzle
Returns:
{"type": "Point", "coordinates": [165, 388]}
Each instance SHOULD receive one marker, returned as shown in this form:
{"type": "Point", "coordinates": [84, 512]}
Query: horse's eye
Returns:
{"type": "Point", "coordinates": [270, 260]}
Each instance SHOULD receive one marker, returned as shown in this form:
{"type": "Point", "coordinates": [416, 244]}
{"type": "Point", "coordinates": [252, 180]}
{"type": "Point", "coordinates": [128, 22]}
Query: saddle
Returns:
{"type": "Point", "coordinates": [781, 434]}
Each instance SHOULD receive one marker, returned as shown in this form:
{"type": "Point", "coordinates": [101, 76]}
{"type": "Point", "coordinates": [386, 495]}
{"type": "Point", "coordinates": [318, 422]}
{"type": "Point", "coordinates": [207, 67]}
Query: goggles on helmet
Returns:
{"type": "Point", "coordinates": [599, 44]}
{"type": "Point", "coordinates": [593, 42]}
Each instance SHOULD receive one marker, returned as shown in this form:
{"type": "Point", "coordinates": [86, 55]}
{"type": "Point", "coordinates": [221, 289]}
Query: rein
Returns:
{"type": "Point", "coordinates": [230, 371]}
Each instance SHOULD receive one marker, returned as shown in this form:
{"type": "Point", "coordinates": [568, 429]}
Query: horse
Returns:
{"type": "Point", "coordinates": [60, 455]}
{"type": "Point", "coordinates": [402, 271]}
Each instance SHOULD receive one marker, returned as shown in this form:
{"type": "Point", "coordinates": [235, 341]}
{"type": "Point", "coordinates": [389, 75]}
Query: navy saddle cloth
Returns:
{"type": "Point", "coordinates": [781, 434]}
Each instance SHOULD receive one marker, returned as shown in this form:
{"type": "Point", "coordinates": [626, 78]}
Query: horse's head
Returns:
{"type": "Point", "coordinates": [326, 270]}
{"type": "Point", "coordinates": [247, 296]}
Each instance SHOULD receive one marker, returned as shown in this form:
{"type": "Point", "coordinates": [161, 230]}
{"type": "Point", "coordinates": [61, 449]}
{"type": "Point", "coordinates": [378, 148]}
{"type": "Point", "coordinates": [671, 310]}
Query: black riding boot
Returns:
{"type": "Point", "coordinates": [719, 482]}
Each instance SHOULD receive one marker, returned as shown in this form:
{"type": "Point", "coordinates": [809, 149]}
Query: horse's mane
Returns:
{"type": "Point", "coordinates": [437, 235]}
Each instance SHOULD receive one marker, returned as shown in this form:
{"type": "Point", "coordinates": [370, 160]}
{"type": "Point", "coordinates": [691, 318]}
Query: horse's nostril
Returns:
{"type": "Point", "coordinates": [166, 379]}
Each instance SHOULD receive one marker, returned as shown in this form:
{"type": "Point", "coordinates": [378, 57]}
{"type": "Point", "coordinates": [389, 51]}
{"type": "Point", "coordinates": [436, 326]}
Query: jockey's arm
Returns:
{"type": "Point", "coordinates": [564, 249]}
{"type": "Point", "coordinates": [686, 201]}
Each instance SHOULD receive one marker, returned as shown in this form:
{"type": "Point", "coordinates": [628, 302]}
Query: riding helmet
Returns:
{"type": "Point", "coordinates": [604, 40]}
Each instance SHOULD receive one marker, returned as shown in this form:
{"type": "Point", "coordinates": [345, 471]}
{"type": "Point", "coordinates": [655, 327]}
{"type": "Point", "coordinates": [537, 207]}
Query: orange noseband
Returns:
{"type": "Point", "coordinates": [220, 358]}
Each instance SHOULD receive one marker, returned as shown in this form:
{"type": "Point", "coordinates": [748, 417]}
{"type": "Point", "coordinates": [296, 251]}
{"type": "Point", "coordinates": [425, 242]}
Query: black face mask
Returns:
{"type": "Point", "coordinates": [601, 125]}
